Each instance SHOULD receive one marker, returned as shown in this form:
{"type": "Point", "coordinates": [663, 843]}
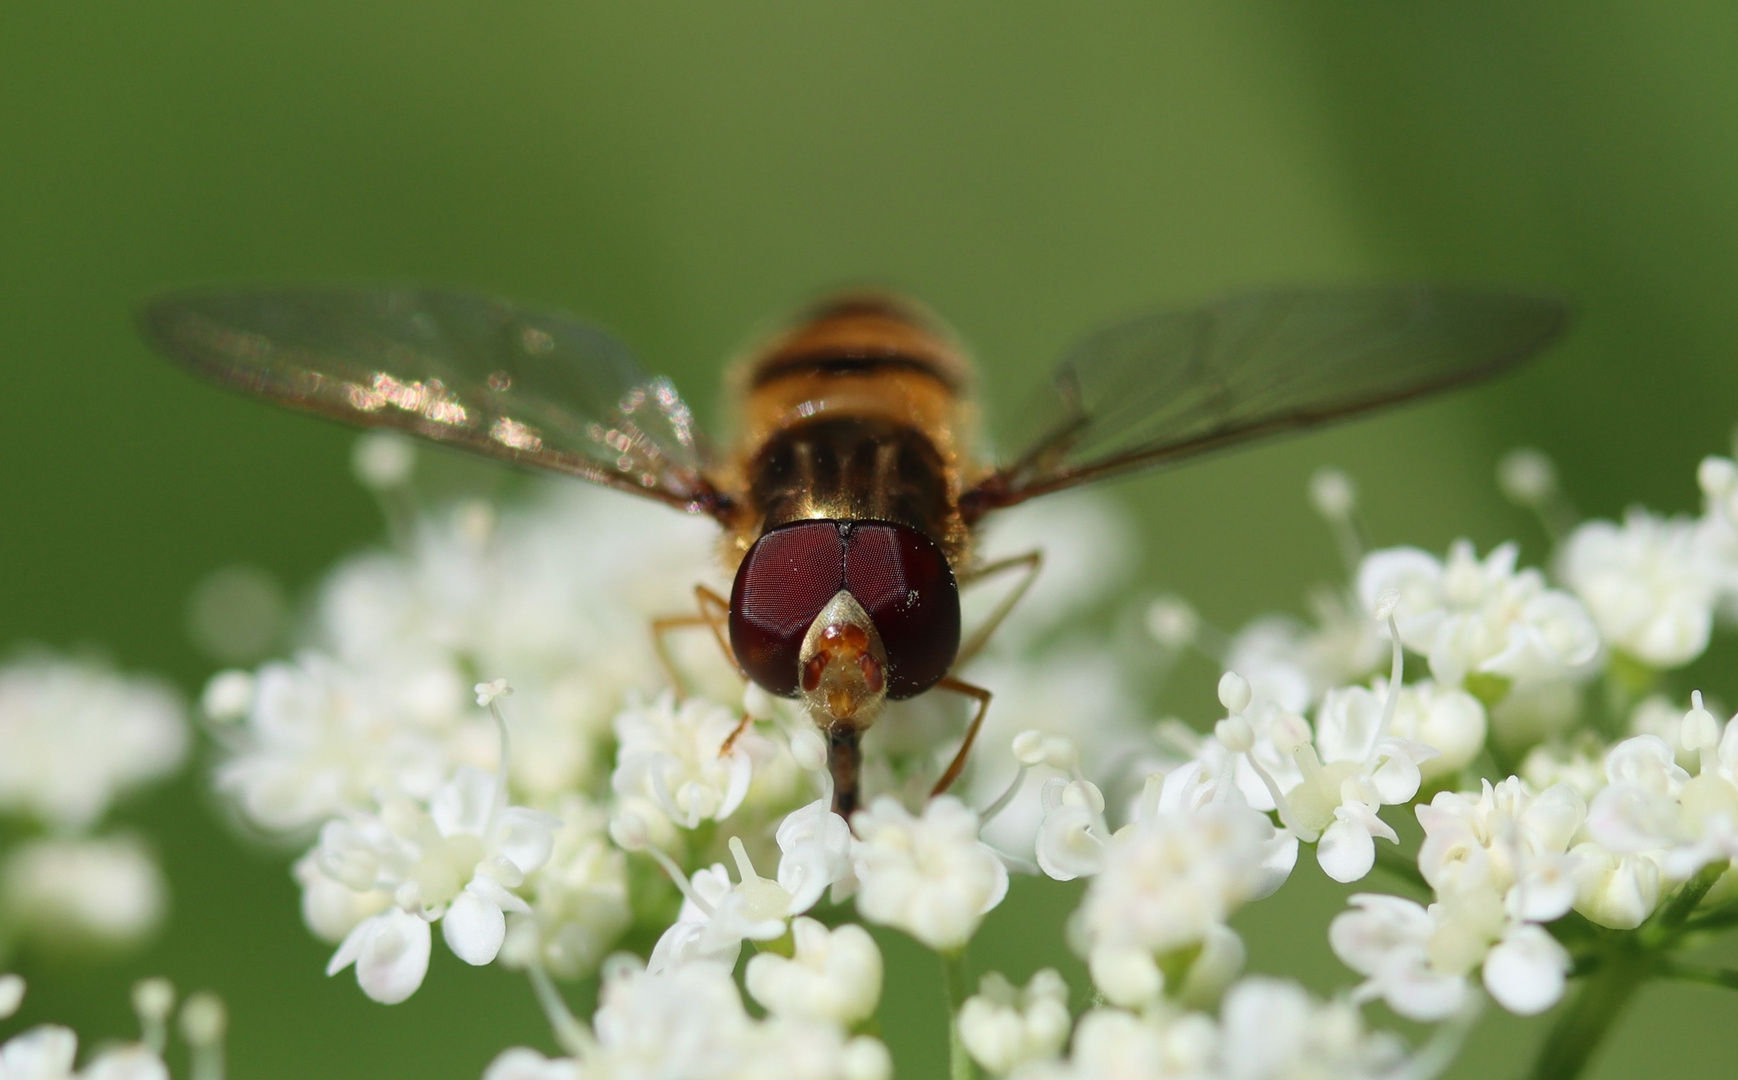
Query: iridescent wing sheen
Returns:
{"type": "Point", "coordinates": [529, 387]}
{"type": "Point", "coordinates": [1168, 386]}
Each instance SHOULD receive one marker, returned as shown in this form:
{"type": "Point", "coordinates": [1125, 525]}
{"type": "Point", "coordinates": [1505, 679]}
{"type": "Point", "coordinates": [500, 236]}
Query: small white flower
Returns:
{"type": "Point", "coordinates": [458, 861]}
{"type": "Point", "coordinates": [1388, 940]}
{"type": "Point", "coordinates": [490, 692]}
{"type": "Point", "coordinates": [1273, 1029]}
{"type": "Point", "coordinates": [815, 847]}
{"type": "Point", "coordinates": [1649, 583]}
{"type": "Point", "coordinates": [671, 755]}
{"type": "Point", "coordinates": [1169, 878]}
{"type": "Point", "coordinates": [718, 916]}
{"type": "Point", "coordinates": [1418, 960]}
{"type": "Point", "coordinates": [75, 735]}
{"type": "Point", "coordinates": [834, 975]}
{"type": "Point", "coordinates": [1507, 841]}
{"type": "Point", "coordinates": [524, 1063]}
{"type": "Point", "coordinates": [107, 892]}
{"type": "Point", "coordinates": [1618, 891]}
{"type": "Point", "coordinates": [1004, 1029]}
{"type": "Point", "coordinates": [1470, 617]}
{"type": "Point", "coordinates": [45, 1052]}
{"type": "Point", "coordinates": [929, 876]}
{"type": "Point", "coordinates": [1653, 806]}
{"type": "Point", "coordinates": [1072, 836]}
{"type": "Point", "coordinates": [1335, 785]}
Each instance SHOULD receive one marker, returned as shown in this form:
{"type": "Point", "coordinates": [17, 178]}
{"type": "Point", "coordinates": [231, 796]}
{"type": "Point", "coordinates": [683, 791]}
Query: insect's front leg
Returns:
{"type": "Point", "coordinates": [714, 613]}
{"type": "Point", "coordinates": [982, 697]}
{"type": "Point", "coordinates": [1028, 566]}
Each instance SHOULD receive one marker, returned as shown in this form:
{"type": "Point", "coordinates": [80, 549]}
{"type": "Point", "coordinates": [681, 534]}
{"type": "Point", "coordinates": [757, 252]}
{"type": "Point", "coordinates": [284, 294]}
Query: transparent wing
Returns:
{"type": "Point", "coordinates": [529, 387]}
{"type": "Point", "coordinates": [1164, 387]}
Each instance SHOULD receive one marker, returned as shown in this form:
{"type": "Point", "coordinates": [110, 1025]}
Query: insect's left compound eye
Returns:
{"type": "Point", "coordinates": [903, 581]}
{"type": "Point", "coordinates": [783, 583]}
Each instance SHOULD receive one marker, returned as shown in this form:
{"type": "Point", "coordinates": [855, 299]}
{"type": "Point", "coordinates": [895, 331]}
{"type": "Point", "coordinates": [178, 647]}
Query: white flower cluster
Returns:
{"type": "Point", "coordinates": [373, 738]}
{"type": "Point", "coordinates": [1607, 832]}
{"type": "Point", "coordinates": [75, 737]}
{"type": "Point", "coordinates": [543, 856]}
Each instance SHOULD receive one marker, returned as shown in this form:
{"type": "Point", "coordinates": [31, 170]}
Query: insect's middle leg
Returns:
{"type": "Point", "coordinates": [1028, 564]}
{"type": "Point", "coordinates": [714, 613]}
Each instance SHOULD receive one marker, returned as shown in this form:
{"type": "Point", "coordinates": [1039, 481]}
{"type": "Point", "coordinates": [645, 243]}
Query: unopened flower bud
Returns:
{"type": "Point", "coordinates": [629, 832]}
{"type": "Point", "coordinates": [11, 994]}
{"type": "Point", "coordinates": [1234, 692]}
{"type": "Point", "coordinates": [1386, 603]}
{"type": "Point", "coordinates": [1332, 494]}
{"type": "Point", "coordinates": [1526, 477]}
{"type": "Point", "coordinates": [1172, 622]}
{"type": "Point", "coordinates": [1700, 730]}
{"type": "Point", "coordinates": [866, 1058]}
{"type": "Point", "coordinates": [203, 1019]}
{"type": "Point", "coordinates": [1029, 748]}
{"type": "Point", "coordinates": [382, 460]}
{"type": "Point", "coordinates": [153, 999]}
{"type": "Point", "coordinates": [1717, 476]}
{"type": "Point", "coordinates": [228, 696]}
{"type": "Point", "coordinates": [1126, 976]}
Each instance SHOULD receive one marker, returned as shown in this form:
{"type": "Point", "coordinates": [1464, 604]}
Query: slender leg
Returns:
{"type": "Point", "coordinates": [713, 613]}
{"type": "Point", "coordinates": [729, 743]}
{"type": "Point", "coordinates": [1031, 563]}
{"type": "Point", "coordinates": [982, 697]}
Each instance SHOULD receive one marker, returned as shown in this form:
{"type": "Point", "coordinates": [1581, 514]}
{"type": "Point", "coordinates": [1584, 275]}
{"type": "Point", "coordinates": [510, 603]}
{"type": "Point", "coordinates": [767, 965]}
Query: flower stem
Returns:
{"type": "Point", "coordinates": [569, 1032]}
{"type": "Point", "coordinates": [953, 977]}
{"type": "Point", "coordinates": [1579, 1030]}
{"type": "Point", "coordinates": [1667, 923]}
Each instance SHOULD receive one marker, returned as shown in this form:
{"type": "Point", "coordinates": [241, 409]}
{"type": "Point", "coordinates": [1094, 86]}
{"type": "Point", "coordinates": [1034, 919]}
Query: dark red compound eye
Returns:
{"type": "Point", "coordinates": [900, 576]}
{"type": "Point", "coordinates": [903, 581]}
{"type": "Point", "coordinates": [785, 580]}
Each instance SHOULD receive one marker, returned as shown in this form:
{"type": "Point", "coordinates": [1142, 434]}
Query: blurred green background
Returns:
{"type": "Point", "coordinates": [685, 171]}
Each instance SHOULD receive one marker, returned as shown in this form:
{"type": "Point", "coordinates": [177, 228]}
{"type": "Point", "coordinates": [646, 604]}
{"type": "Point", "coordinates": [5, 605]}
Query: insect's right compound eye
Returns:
{"type": "Point", "coordinates": [784, 581]}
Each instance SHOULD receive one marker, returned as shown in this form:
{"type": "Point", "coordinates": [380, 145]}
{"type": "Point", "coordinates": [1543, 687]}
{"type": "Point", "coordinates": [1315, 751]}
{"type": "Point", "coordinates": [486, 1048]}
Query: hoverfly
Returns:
{"type": "Point", "coordinates": [850, 494]}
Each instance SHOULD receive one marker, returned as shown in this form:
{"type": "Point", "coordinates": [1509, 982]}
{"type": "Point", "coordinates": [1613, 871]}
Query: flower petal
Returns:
{"type": "Point", "coordinates": [1525, 971]}
{"type": "Point", "coordinates": [474, 928]}
{"type": "Point", "coordinates": [393, 958]}
{"type": "Point", "coordinates": [1346, 851]}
